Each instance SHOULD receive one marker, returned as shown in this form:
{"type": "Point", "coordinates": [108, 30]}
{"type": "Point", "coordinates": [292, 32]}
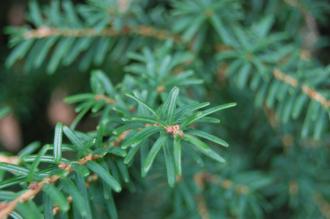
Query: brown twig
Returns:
{"type": "Point", "coordinates": [310, 92]}
{"type": "Point", "coordinates": [142, 30]}
{"type": "Point", "coordinates": [108, 100]}
{"type": "Point", "coordinates": [278, 74]}
{"type": "Point", "coordinates": [313, 94]}
{"type": "Point", "coordinates": [9, 159]}
{"type": "Point", "coordinates": [121, 137]}
{"type": "Point", "coordinates": [34, 189]}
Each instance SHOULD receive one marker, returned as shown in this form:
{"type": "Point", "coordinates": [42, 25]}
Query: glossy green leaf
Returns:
{"type": "Point", "coordinates": [59, 53]}
{"type": "Point", "coordinates": [143, 104]}
{"type": "Point", "coordinates": [182, 112]}
{"type": "Point", "coordinates": [207, 112]}
{"type": "Point", "coordinates": [15, 215]}
{"type": "Point", "coordinates": [81, 184]}
{"type": "Point", "coordinates": [204, 148]}
{"type": "Point", "coordinates": [73, 137]}
{"type": "Point", "coordinates": [177, 149]}
{"type": "Point", "coordinates": [57, 197]}
{"type": "Point", "coordinates": [169, 162]}
{"type": "Point", "coordinates": [34, 167]}
{"type": "Point", "coordinates": [43, 50]}
{"type": "Point", "coordinates": [29, 210]}
{"type": "Point", "coordinates": [152, 154]}
{"type": "Point", "coordinates": [82, 170]}
{"type": "Point", "coordinates": [47, 206]}
{"type": "Point", "coordinates": [14, 169]}
{"type": "Point", "coordinates": [104, 175]}
{"type": "Point", "coordinates": [7, 195]}
{"type": "Point", "coordinates": [123, 171]}
{"type": "Point", "coordinates": [19, 51]}
{"type": "Point", "coordinates": [58, 142]}
{"type": "Point", "coordinates": [42, 159]}
{"type": "Point", "coordinates": [78, 98]}
{"type": "Point", "coordinates": [143, 119]}
{"type": "Point", "coordinates": [110, 202]}
{"type": "Point", "coordinates": [140, 136]}
{"type": "Point", "coordinates": [117, 151]}
{"type": "Point", "coordinates": [221, 30]}
{"type": "Point", "coordinates": [170, 103]}
{"type": "Point", "coordinates": [209, 137]}
{"type": "Point", "coordinates": [35, 13]}
{"type": "Point", "coordinates": [132, 152]}
{"type": "Point", "coordinates": [12, 181]}
{"type": "Point", "coordinates": [75, 193]}
{"type": "Point", "coordinates": [243, 75]}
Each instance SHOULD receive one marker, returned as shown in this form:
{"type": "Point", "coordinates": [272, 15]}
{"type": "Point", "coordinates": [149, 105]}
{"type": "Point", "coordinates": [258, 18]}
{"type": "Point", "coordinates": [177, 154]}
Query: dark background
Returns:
{"type": "Point", "coordinates": [35, 98]}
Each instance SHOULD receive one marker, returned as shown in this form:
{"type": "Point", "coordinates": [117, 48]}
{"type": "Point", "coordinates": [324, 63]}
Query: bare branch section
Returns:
{"type": "Point", "coordinates": [9, 159]}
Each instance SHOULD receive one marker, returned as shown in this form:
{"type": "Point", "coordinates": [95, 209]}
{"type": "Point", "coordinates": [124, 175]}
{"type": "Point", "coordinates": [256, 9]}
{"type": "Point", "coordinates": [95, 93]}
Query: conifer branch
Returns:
{"type": "Point", "coordinates": [160, 34]}
{"type": "Point", "coordinates": [157, 126]}
{"type": "Point", "coordinates": [34, 188]}
{"type": "Point", "coordinates": [310, 92]}
{"type": "Point", "coordinates": [142, 30]}
{"type": "Point", "coordinates": [293, 82]}
{"type": "Point", "coordinates": [7, 207]}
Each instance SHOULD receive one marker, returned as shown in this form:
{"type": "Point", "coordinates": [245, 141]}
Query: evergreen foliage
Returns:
{"type": "Point", "coordinates": [183, 66]}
